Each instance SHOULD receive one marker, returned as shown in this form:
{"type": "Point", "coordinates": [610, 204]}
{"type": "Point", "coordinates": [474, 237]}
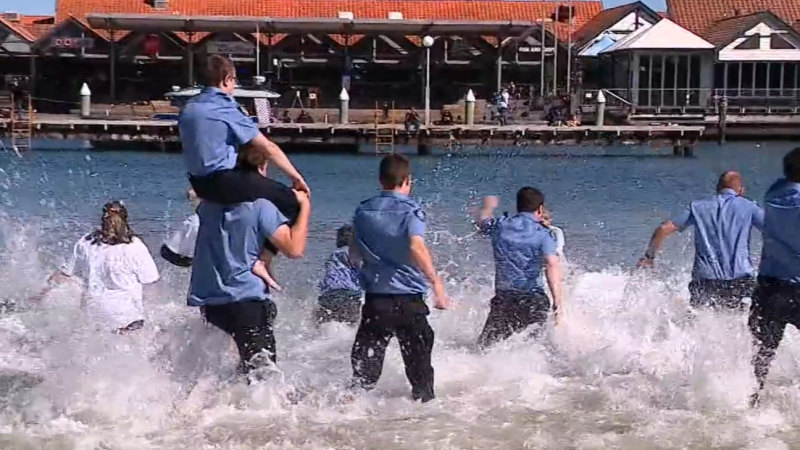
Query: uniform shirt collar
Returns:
{"type": "Point", "coordinates": [394, 194]}
{"type": "Point", "coordinates": [215, 91]}
{"type": "Point", "coordinates": [727, 191]}
{"type": "Point", "coordinates": [529, 215]}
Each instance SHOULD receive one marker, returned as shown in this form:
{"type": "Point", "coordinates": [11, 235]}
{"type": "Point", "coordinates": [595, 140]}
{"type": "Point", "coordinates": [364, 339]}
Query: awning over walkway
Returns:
{"type": "Point", "coordinates": [243, 24]}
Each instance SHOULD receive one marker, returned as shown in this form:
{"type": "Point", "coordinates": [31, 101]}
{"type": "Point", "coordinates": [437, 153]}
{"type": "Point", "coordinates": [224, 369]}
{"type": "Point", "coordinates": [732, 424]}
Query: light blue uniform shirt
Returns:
{"type": "Point", "coordinates": [722, 235]}
{"type": "Point", "coordinates": [229, 242]}
{"type": "Point", "coordinates": [520, 245]}
{"type": "Point", "coordinates": [340, 273]}
{"type": "Point", "coordinates": [383, 226]}
{"type": "Point", "coordinates": [212, 127]}
{"type": "Point", "coordinates": [781, 254]}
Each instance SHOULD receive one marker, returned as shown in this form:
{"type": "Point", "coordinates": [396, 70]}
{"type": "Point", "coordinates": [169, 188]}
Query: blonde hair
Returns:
{"type": "Point", "coordinates": [114, 228]}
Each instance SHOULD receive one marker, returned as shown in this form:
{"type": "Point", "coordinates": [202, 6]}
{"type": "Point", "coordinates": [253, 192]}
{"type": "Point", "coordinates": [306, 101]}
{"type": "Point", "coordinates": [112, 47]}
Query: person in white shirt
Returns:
{"type": "Point", "coordinates": [178, 249]}
{"type": "Point", "coordinates": [112, 264]}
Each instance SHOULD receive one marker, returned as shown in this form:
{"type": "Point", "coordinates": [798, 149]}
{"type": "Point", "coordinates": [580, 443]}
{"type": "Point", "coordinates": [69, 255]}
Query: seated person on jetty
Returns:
{"type": "Point", "coordinates": [446, 117]}
{"type": "Point", "coordinates": [412, 121]}
{"type": "Point", "coordinates": [304, 117]}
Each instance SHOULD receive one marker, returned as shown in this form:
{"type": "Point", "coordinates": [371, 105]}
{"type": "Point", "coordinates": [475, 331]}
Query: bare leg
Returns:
{"type": "Point", "coordinates": [263, 269]}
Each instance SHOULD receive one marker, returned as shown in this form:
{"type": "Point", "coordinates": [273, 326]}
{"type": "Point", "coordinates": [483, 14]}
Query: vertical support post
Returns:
{"type": "Point", "coordinates": [427, 86]}
{"type": "Point", "coordinates": [427, 42]}
{"type": "Point", "coordinates": [725, 79]}
{"type": "Point", "coordinates": [33, 73]}
{"type": "Point", "coordinates": [542, 63]}
{"type": "Point", "coordinates": [675, 64]}
{"type": "Point", "coordinates": [258, 52]}
{"type": "Point", "coordinates": [499, 64]}
{"type": "Point", "coordinates": [344, 107]}
{"type": "Point", "coordinates": [739, 87]}
{"type": "Point", "coordinates": [469, 108]}
{"type": "Point", "coordinates": [688, 79]}
{"type": "Point", "coordinates": [663, 78]}
{"type": "Point", "coordinates": [190, 59]}
{"type": "Point", "coordinates": [723, 119]}
{"type": "Point", "coordinates": [650, 81]}
{"type": "Point", "coordinates": [555, 54]}
{"type": "Point", "coordinates": [569, 51]}
{"type": "Point", "coordinates": [86, 101]}
{"type": "Point", "coordinates": [601, 108]}
{"type": "Point", "coordinates": [769, 85]}
{"type": "Point", "coordinates": [112, 69]}
{"type": "Point", "coordinates": [753, 83]}
{"type": "Point", "coordinates": [783, 72]}
{"type": "Point", "coordinates": [346, 63]}
{"type": "Point", "coordinates": [269, 52]}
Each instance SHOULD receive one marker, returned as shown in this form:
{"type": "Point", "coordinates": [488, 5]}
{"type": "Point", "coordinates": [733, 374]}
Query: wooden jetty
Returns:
{"type": "Point", "coordinates": [164, 133]}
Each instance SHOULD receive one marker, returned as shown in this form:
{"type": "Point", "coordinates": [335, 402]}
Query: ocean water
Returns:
{"type": "Point", "coordinates": [626, 369]}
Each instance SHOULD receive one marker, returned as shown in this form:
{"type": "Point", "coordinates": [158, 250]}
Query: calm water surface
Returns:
{"type": "Point", "coordinates": [626, 370]}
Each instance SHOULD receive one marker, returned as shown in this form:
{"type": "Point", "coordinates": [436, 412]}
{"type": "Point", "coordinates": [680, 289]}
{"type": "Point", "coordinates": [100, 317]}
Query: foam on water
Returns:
{"type": "Point", "coordinates": [627, 369]}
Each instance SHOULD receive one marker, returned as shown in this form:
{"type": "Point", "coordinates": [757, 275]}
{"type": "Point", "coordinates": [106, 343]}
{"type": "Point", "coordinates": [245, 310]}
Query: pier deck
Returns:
{"type": "Point", "coordinates": [165, 132]}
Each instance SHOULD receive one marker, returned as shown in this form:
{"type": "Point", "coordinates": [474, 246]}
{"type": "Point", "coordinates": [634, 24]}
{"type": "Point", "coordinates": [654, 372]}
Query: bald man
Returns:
{"type": "Point", "coordinates": [723, 271]}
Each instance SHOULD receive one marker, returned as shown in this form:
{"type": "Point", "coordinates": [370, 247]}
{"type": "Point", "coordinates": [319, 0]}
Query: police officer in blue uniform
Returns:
{"type": "Point", "coordinates": [397, 267]}
{"type": "Point", "coordinates": [723, 272]}
{"type": "Point", "coordinates": [212, 128]}
{"type": "Point", "coordinates": [340, 288]}
{"type": "Point", "coordinates": [223, 284]}
{"type": "Point", "coordinates": [776, 301]}
{"type": "Point", "coordinates": [523, 246]}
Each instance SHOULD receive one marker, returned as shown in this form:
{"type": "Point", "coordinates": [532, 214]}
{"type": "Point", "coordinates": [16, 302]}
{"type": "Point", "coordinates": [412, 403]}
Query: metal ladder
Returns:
{"type": "Point", "coordinates": [21, 124]}
{"type": "Point", "coordinates": [384, 137]}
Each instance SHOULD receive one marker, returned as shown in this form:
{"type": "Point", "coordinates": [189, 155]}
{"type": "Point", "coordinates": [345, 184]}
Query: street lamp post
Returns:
{"type": "Point", "coordinates": [427, 42]}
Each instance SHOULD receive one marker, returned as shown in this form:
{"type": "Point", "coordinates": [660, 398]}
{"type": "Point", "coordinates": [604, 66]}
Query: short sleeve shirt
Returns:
{"type": "Point", "coordinates": [182, 241]}
{"type": "Point", "coordinates": [781, 253]}
{"type": "Point", "coordinates": [340, 273]}
{"type": "Point", "coordinates": [384, 225]}
{"type": "Point", "coordinates": [520, 244]}
{"type": "Point", "coordinates": [229, 242]}
{"type": "Point", "coordinates": [112, 276]}
{"type": "Point", "coordinates": [722, 226]}
{"type": "Point", "coordinates": [212, 127]}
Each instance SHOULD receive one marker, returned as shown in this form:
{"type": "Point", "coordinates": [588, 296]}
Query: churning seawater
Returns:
{"type": "Point", "coordinates": [625, 370]}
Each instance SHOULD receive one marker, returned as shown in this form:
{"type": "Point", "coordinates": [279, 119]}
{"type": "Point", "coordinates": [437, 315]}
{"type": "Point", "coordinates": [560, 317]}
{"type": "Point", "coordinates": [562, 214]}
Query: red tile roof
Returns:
{"type": "Point", "coordinates": [726, 31]}
{"type": "Point", "coordinates": [372, 9]}
{"type": "Point", "coordinates": [699, 15]}
{"type": "Point", "coordinates": [607, 18]}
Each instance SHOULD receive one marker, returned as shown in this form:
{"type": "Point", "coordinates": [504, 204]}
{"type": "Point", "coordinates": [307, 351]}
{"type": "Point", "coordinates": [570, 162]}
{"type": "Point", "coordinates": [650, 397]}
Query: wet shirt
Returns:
{"type": "Point", "coordinates": [722, 235]}
{"type": "Point", "coordinates": [780, 257]}
{"type": "Point", "coordinates": [112, 276]}
{"type": "Point", "coordinates": [182, 240]}
{"type": "Point", "coordinates": [229, 242]}
{"type": "Point", "coordinates": [520, 245]}
{"type": "Point", "coordinates": [383, 226]}
{"type": "Point", "coordinates": [212, 127]}
{"type": "Point", "coordinates": [340, 274]}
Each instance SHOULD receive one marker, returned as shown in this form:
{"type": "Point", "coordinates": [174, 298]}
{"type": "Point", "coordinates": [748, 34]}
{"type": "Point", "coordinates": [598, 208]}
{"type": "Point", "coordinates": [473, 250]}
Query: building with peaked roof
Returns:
{"type": "Point", "coordinates": [699, 16]}
{"type": "Point", "coordinates": [758, 59]}
{"type": "Point", "coordinates": [663, 66]}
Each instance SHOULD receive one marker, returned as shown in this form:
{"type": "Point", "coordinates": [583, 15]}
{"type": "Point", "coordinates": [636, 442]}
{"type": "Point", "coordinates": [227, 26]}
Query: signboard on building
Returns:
{"type": "Point", "coordinates": [230, 48]}
{"type": "Point", "coordinates": [71, 42]}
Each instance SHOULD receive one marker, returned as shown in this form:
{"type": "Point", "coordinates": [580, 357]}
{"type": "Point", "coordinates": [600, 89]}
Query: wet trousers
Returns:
{"type": "Point", "coordinates": [512, 312]}
{"type": "Point", "coordinates": [249, 323]}
{"type": "Point", "coordinates": [775, 305]}
{"type": "Point", "coordinates": [385, 316]}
